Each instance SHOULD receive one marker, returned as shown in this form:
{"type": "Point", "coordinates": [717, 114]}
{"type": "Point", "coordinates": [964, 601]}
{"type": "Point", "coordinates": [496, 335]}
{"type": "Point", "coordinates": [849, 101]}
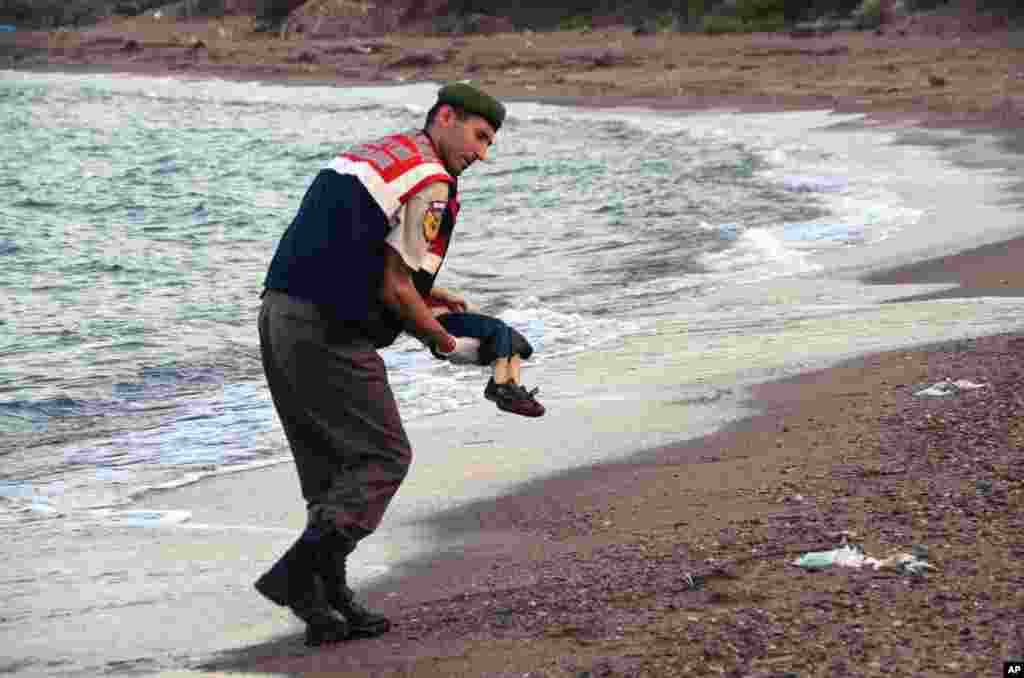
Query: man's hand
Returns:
{"type": "Point", "coordinates": [466, 352]}
{"type": "Point", "coordinates": [451, 299]}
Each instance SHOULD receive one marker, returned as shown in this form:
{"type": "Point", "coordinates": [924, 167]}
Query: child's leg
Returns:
{"type": "Point", "coordinates": [514, 367]}
{"type": "Point", "coordinates": [521, 350]}
{"type": "Point", "coordinates": [503, 372]}
{"type": "Point", "coordinates": [494, 335]}
{"type": "Point", "coordinates": [496, 348]}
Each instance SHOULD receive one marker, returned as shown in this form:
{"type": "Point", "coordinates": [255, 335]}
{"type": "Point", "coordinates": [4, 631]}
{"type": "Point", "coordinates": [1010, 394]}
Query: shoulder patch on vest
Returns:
{"type": "Point", "coordinates": [432, 220]}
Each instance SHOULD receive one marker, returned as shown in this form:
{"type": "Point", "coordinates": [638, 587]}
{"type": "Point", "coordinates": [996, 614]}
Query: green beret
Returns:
{"type": "Point", "coordinates": [472, 100]}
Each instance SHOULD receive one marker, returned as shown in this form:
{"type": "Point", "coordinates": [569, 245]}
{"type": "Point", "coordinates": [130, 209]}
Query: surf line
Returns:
{"type": "Point", "coordinates": [236, 528]}
{"type": "Point", "coordinates": [177, 519]}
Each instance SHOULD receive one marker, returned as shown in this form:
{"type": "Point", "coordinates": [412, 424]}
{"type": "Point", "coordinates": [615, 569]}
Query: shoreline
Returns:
{"type": "Point", "coordinates": [972, 270]}
{"type": "Point", "coordinates": [970, 80]}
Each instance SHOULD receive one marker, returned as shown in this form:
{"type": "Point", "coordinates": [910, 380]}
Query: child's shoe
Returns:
{"type": "Point", "coordinates": [514, 398]}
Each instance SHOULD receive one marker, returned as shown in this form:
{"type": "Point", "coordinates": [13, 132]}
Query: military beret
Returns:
{"type": "Point", "coordinates": [472, 100]}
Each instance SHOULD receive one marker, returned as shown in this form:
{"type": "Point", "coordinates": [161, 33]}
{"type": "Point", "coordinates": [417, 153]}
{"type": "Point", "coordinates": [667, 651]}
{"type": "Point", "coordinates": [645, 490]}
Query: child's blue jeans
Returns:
{"type": "Point", "coordinates": [497, 340]}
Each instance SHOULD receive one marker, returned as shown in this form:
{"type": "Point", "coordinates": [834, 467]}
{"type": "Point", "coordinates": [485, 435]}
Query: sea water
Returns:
{"type": "Point", "coordinates": [649, 257]}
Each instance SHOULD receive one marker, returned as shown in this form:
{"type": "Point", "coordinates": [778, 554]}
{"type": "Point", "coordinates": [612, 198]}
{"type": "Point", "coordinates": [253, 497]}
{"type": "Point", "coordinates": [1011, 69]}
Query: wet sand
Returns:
{"type": "Point", "coordinates": [978, 272]}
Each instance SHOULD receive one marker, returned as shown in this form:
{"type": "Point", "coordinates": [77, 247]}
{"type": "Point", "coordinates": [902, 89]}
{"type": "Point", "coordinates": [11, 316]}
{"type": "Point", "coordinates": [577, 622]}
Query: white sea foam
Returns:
{"type": "Point", "coordinates": [142, 518]}
{"type": "Point", "coordinates": [758, 255]}
{"type": "Point", "coordinates": [814, 184]}
{"type": "Point", "coordinates": [416, 97]}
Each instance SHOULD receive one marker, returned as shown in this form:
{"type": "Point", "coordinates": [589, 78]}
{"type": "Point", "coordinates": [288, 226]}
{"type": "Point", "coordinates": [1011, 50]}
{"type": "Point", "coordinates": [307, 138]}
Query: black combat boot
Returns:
{"type": "Point", "coordinates": [362, 622]}
{"type": "Point", "coordinates": [291, 583]}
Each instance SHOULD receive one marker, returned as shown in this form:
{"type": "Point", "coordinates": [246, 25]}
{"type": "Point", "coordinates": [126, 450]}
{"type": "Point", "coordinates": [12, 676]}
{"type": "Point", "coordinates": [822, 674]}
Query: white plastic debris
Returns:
{"type": "Point", "coordinates": [967, 385]}
{"type": "Point", "coordinates": [845, 556]}
{"type": "Point", "coordinates": [948, 387]}
{"type": "Point", "coordinates": [936, 390]}
{"type": "Point", "coordinates": [853, 556]}
{"type": "Point", "coordinates": [906, 562]}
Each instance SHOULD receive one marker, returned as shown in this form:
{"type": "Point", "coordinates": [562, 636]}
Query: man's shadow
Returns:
{"type": "Point", "coordinates": [245, 658]}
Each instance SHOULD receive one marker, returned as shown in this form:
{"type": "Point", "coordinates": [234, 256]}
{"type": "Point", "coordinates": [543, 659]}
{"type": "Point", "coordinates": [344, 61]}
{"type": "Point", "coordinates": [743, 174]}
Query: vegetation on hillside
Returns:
{"type": "Point", "coordinates": [647, 15]}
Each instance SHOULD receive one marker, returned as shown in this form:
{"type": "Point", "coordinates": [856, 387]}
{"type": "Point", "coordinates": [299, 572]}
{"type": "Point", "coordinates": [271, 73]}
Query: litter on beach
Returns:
{"type": "Point", "coordinates": [853, 556]}
{"type": "Point", "coordinates": [948, 387]}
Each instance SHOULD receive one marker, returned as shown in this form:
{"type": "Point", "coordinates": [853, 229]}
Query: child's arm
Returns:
{"type": "Point", "coordinates": [452, 300]}
{"type": "Point", "coordinates": [437, 306]}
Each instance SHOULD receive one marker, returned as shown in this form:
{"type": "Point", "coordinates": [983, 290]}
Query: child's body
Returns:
{"type": "Point", "coordinates": [502, 347]}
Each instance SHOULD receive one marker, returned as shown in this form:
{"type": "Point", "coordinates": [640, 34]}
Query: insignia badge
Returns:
{"type": "Point", "coordinates": [432, 220]}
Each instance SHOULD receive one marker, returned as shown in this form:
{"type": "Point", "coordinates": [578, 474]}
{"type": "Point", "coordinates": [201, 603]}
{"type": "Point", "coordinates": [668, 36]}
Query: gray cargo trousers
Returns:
{"type": "Point", "coordinates": [339, 415]}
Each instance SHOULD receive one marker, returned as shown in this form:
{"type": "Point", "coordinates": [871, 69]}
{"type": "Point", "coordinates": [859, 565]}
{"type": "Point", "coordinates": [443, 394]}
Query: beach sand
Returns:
{"type": "Point", "coordinates": [586, 574]}
{"type": "Point", "coordinates": [677, 561]}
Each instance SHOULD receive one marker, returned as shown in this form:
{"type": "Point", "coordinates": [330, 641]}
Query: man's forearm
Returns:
{"type": "Point", "coordinates": [405, 301]}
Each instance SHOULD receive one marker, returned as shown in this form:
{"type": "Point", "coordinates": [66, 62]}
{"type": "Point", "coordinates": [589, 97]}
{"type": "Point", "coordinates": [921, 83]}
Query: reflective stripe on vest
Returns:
{"type": "Point", "coordinates": [394, 168]}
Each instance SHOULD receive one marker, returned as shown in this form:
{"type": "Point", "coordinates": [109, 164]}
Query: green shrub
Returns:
{"type": "Point", "coordinates": [576, 22]}
{"type": "Point", "coordinates": [869, 14]}
{"type": "Point", "coordinates": [768, 23]}
{"type": "Point", "coordinates": [716, 25]}
{"type": "Point", "coordinates": [667, 21]}
{"type": "Point", "coordinates": [753, 10]}
{"type": "Point", "coordinates": [695, 10]}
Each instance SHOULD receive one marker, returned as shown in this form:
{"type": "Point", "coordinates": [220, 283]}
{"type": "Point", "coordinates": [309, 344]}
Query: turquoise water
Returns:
{"type": "Point", "coordinates": [651, 258]}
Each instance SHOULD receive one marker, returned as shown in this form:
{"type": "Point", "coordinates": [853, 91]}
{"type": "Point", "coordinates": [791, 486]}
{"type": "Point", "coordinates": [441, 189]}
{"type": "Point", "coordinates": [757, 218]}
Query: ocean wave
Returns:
{"type": "Point", "coordinates": [759, 254]}
{"type": "Point", "coordinates": [42, 410]}
{"type": "Point", "coordinates": [814, 184]}
{"type": "Point", "coordinates": [34, 204]}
